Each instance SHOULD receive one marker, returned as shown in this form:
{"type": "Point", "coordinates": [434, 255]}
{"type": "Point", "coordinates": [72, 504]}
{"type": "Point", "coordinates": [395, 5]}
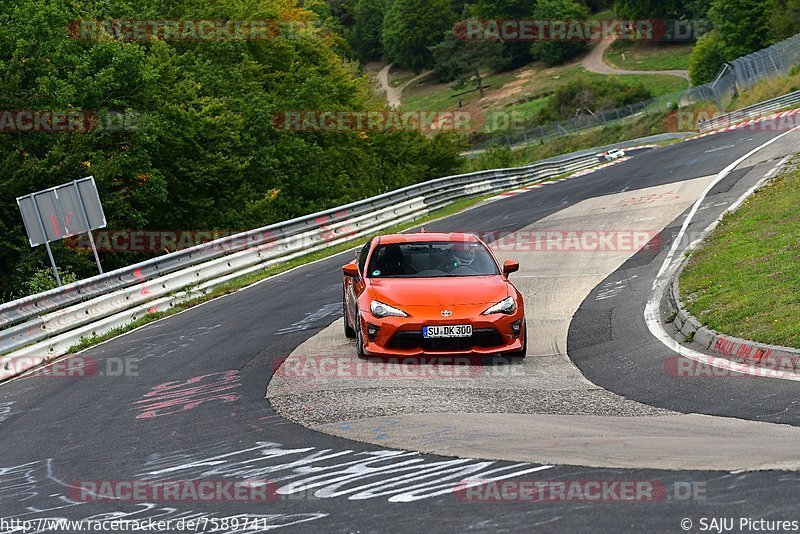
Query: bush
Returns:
{"type": "Point", "coordinates": [584, 95]}
{"type": "Point", "coordinates": [707, 59]}
{"type": "Point", "coordinates": [495, 157]}
{"type": "Point", "coordinates": [43, 280]}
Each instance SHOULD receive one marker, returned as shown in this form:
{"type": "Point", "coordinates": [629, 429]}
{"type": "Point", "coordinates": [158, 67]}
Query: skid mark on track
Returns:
{"type": "Point", "coordinates": [175, 397]}
{"type": "Point", "coordinates": [36, 495]}
{"type": "Point", "coordinates": [312, 319]}
{"type": "Point", "coordinates": [395, 475]}
{"type": "Point", "coordinates": [5, 410]}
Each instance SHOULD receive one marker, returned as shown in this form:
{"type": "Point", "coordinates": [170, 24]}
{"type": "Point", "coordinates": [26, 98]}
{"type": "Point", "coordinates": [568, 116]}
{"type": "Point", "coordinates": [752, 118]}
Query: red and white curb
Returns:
{"type": "Point", "coordinates": [515, 192]}
{"type": "Point", "coordinates": [783, 123]}
{"type": "Point", "coordinates": [670, 268]}
{"type": "Point", "coordinates": [603, 166]}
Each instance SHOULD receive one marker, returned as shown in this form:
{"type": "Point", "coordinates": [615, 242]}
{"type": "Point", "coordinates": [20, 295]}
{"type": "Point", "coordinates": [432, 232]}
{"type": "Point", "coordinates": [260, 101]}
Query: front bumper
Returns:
{"type": "Point", "coordinates": [402, 336]}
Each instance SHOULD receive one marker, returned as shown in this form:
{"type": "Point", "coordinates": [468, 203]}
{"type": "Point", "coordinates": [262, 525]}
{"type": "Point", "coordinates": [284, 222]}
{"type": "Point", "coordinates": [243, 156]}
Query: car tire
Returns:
{"type": "Point", "coordinates": [348, 330]}
{"type": "Point", "coordinates": [520, 354]}
{"type": "Point", "coordinates": [360, 342]}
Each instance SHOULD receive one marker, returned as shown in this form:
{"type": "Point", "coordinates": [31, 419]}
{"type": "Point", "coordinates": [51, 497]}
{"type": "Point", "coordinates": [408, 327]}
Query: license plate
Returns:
{"type": "Point", "coordinates": [429, 332]}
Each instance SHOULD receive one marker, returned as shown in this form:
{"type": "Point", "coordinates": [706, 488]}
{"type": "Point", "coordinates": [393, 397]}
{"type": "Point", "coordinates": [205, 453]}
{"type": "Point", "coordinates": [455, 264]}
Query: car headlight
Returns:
{"type": "Point", "coordinates": [379, 310]}
{"type": "Point", "coordinates": [507, 306]}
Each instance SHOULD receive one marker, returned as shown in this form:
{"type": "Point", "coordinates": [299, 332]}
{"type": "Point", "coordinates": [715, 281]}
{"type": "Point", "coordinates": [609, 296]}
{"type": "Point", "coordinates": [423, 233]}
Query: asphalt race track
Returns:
{"type": "Point", "coordinates": [184, 399]}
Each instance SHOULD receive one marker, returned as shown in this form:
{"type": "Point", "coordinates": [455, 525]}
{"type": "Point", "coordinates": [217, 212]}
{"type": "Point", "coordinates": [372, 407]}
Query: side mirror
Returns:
{"type": "Point", "coordinates": [510, 266]}
{"type": "Point", "coordinates": [351, 270]}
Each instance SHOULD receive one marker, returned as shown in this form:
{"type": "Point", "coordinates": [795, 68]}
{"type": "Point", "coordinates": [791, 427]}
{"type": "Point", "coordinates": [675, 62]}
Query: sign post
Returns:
{"type": "Point", "coordinates": [46, 242]}
{"type": "Point", "coordinates": [89, 232]}
{"type": "Point", "coordinates": [63, 211]}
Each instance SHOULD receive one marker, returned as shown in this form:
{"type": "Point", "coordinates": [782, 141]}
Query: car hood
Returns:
{"type": "Point", "coordinates": [439, 291]}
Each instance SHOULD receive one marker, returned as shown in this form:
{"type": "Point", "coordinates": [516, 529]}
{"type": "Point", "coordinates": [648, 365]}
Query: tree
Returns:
{"type": "Point", "coordinates": [368, 18]}
{"type": "Point", "coordinates": [556, 52]}
{"type": "Point", "coordinates": [459, 60]}
{"type": "Point", "coordinates": [641, 9]}
{"type": "Point", "coordinates": [205, 153]}
{"type": "Point", "coordinates": [515, 53]}
{"type": "Point", "coordinates": [785, 19]}
{"type": "Point", "coordinates": [647, 9]}
{"type": "Point", "coordinates": [411, 27]}
{"type": "Point", "coordinates": [738, 31]}
{"type": "Point", "coordinates": [707, 58]}
{"type": "Point", "coordinates": [740, 25]}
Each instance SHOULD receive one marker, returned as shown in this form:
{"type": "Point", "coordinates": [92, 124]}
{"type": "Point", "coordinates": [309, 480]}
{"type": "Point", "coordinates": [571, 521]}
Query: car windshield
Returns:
{"type": "Point", "coordinates": [431, 260]}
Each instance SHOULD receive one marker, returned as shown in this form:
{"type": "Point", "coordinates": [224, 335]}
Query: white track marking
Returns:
{"type": "Point", "coordinates": [663, 279]}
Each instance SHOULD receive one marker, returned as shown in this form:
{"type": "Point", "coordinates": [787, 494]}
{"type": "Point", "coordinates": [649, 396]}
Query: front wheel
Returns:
{"type": "Point", "coordinates": [348, 330]}
{"type": "Point", "coordinates": [360, 341]}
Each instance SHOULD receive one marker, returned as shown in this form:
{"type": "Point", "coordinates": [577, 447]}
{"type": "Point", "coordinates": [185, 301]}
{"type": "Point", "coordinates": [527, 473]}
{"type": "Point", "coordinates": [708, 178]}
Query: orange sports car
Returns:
{"type": "Point", "coordinates": [428, 294]}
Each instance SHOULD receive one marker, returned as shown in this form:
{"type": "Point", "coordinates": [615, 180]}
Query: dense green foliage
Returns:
{"type": "Point", "coordinates": [462, 61]}
{"type": "Point", "coordinates": [707, 57]}
{"type": "Point", "coordinates": [741, 27]}
{"type": "Point", "coordinates": [515, 53]}
{"type": "Point", "coordinates": [784, 20]}
{"type": "Point", "coordinates": [367, 28]}
{"type": "Point", "coordinates": [554, 52]}
{"type": "Point", "coordinates": [666, 9]}
{"type": "Point", "coordinates": [411, 27]}
{"type": "Point", "coordinates": [204, 153]}
{"type": "Point", "coordinates": [584, 96]}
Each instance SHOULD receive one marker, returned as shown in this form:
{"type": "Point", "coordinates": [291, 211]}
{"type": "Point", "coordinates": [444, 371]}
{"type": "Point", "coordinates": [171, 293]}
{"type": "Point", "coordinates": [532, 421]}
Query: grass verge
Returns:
{"type": "Point", "coordinates": [502, 156]}
{"type": "Point", "coordinates": [745, 279]}
{"type": "Point", "coordinates": [767, 90]}
{"type": "Point", "coordinates": [630, 55]}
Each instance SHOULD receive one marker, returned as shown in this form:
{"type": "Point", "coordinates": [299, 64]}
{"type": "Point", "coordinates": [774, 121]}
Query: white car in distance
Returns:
{"type": "Point", "coordinates": [614, 154]}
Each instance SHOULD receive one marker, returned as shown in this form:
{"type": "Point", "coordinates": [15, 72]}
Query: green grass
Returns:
{"type": "Point", "coordinates": [768, 89]}
{"type": "Point", "coordinates": [648, 56]}
{"type": "Point", "coordinates": [657, 84]}
{"type": "Point", "coordinates": [396, 79]}
{"type": "Point", "coordinates": [614, 133]}
{"type": "Point", "coordinates": [745, 280]}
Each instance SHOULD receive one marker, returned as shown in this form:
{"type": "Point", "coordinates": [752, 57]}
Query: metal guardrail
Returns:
{"type": "Point", "coordinates": [49, 324]}
{"type": "Point", "coordinates": [755, 111]}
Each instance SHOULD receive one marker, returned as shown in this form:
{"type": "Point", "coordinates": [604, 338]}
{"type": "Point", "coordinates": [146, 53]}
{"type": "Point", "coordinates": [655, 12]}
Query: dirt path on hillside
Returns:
{"type": "Point", "coordinates": [594, 62]}
{"type": "Point", "coordinates": [393, 94]}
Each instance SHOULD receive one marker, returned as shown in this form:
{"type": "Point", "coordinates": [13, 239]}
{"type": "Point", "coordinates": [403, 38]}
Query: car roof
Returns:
{"type": "Point", "coordinates": [427, 237]}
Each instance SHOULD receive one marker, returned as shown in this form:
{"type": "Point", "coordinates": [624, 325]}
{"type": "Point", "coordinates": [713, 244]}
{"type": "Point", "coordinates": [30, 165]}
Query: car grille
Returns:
{"type": "Point", "coordinates": [412, 339]}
